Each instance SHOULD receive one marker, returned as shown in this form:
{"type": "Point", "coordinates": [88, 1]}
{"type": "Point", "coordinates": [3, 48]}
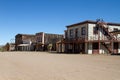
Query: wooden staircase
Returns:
{"type": "Point", "coordinates": [101, 25]}
{"type": "Point", "coordinates": [107, 47]}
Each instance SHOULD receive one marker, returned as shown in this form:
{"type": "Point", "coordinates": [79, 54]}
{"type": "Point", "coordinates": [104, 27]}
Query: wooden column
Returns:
{"type": "Point", "coordinates": [73, 47]}
{"type": "Point", "coordinates": [98, 40]}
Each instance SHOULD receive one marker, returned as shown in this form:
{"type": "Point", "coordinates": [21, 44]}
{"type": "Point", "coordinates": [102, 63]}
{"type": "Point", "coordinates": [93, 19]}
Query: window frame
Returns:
{"type": "Point", "coordinates": [83, 30]}
{"type": "Point", "coordinates": [71, 33]}
{"type": "Point", "coordinates": [95, 30]}
{"type": "Point", "coordinates": [76, 33]}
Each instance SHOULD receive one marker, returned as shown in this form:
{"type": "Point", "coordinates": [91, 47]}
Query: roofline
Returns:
{"type": "Point", "coordinates": [49, 33]}
{"type": "Point", "coordinates": [26, 34]}
{"type": "Point", "coordinates": [92, 22]}
{"type": "Point", "coordinates": [54, 34]}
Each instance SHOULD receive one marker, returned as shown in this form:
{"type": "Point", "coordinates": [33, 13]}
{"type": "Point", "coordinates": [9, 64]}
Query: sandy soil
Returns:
{"type": "Point", "coordinates": [46, 66]}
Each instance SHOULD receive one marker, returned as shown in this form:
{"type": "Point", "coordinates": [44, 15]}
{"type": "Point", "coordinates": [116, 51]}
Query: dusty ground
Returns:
{"type": "Point", "coordinates": [45, 66]}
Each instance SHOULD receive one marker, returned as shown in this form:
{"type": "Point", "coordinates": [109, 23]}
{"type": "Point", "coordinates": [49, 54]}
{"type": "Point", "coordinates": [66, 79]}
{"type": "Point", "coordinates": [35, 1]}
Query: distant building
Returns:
{"type": "Point", "coordinates": [43, 40]}
{"type": "Point", "coordinates": [25, 42]}
{"type": "Point", "coordinates": [12, 47]}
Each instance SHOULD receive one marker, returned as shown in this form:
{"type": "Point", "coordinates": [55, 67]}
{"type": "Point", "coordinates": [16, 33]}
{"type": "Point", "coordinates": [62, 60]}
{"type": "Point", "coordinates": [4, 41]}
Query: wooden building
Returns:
{"type": "Point", "coordinates": [91, 37]}
{"type": "Point", "coordinates": [12, 47]}
{"type": "Point", "coordinates": [43, 40]}
{"type": "Point", "coordinates": [25, 42]}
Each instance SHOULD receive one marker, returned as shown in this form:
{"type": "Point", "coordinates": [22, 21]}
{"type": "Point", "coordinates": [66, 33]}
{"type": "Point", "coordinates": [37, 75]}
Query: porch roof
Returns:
{"type": "Point", "coordinates": [24, 45]}
{"type": "Point", "coordinates": [116, 32]}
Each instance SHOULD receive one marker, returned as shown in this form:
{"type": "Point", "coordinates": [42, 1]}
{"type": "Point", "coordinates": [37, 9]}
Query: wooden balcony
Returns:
{"type": "Point", "coordinates": [89, 39]}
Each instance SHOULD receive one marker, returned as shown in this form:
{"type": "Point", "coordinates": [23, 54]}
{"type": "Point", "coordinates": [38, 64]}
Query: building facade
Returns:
{"type": "Point", "coordinates": [91, 37]}
{"type": "Point", "coordinates": [12, 47]}
{"type": "Point", "coordinates": [25, 42]}
{"type": "Point", "coordinates": [43, 40]}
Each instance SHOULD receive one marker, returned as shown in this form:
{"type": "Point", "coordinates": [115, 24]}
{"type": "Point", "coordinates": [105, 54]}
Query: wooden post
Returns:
{"type": "Point", "coordinates": [112, 47]}
{"type": "Point", "coordinates": [73, 48]}
{"type": "Point", "coordinates": [98, 40]}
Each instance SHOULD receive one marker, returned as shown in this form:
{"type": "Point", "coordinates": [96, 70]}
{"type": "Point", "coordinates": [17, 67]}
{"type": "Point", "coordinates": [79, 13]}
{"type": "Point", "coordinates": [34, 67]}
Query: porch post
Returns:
{"type": "Point", "coordinates": [112, 47]}
{"type": "Point", "coordinates": [98, 40]}
{"type": "Point", "coordinates": [73, 47]}
{"type": "Point", "coordinates": [86, 48]}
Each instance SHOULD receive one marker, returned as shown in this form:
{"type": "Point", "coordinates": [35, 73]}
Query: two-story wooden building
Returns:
{"type": "Point", "coordinates": [91, 37]}
{"type": "Point", "coordinates": [25, 42]}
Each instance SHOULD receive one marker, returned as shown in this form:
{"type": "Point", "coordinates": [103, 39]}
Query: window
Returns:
{"type": "Point", "coordinates": [95, 30]}
{"type": "Point", "coordinates": [76, 32]}
{"type": "Point", "coordinates": [83, 31]}
{"type": "Point", "coordinates": [115, 29]}
{"type": "Point", "coordinates": [71, 32]}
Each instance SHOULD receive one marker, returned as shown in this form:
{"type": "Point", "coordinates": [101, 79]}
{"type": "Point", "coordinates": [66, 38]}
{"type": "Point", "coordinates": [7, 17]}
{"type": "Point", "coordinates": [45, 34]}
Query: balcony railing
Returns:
{"type": "Point", "coordinates": [91, 38]}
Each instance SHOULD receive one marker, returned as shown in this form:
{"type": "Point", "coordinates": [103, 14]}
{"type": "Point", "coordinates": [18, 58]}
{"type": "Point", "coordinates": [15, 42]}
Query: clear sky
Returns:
{"type": "Point", "coordinates": [51, 16]}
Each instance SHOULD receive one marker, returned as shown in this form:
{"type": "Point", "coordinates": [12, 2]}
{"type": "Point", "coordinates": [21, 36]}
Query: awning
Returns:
{"type": "Point", "coordinates": [24, 45]}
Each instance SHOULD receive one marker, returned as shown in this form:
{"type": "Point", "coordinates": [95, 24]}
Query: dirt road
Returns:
{"type": "Point", "coordinates": [45, 66]}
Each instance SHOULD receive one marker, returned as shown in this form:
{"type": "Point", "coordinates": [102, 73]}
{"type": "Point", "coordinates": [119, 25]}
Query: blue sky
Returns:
{"type": "Point", "coordinates": [51, 16]}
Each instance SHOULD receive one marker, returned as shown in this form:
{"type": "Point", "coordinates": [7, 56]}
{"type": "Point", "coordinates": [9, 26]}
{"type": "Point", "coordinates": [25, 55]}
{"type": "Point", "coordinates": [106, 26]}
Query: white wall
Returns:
{"type": "Point", "coordinates": [89, 48]}
{"type": "Point", "coordinates": [90, 31]}
{"type": "Point", "coordinates": [111, 28]}
{"type": "Point", "coordinates": [79, 30]}
{"type": "Point", "coordinates": [43, 38]}
{"type": "Point", "coordinates": [92, 36]}
{"type": "Point", "coordinates": [119, 48]}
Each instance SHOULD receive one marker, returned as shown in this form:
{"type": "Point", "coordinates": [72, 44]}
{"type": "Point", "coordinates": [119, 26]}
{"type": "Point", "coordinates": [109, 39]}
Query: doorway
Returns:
{"type": "Point", "coordinates": [115, 47]}
{"type": "Point", "coordinates": [95, 48]}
